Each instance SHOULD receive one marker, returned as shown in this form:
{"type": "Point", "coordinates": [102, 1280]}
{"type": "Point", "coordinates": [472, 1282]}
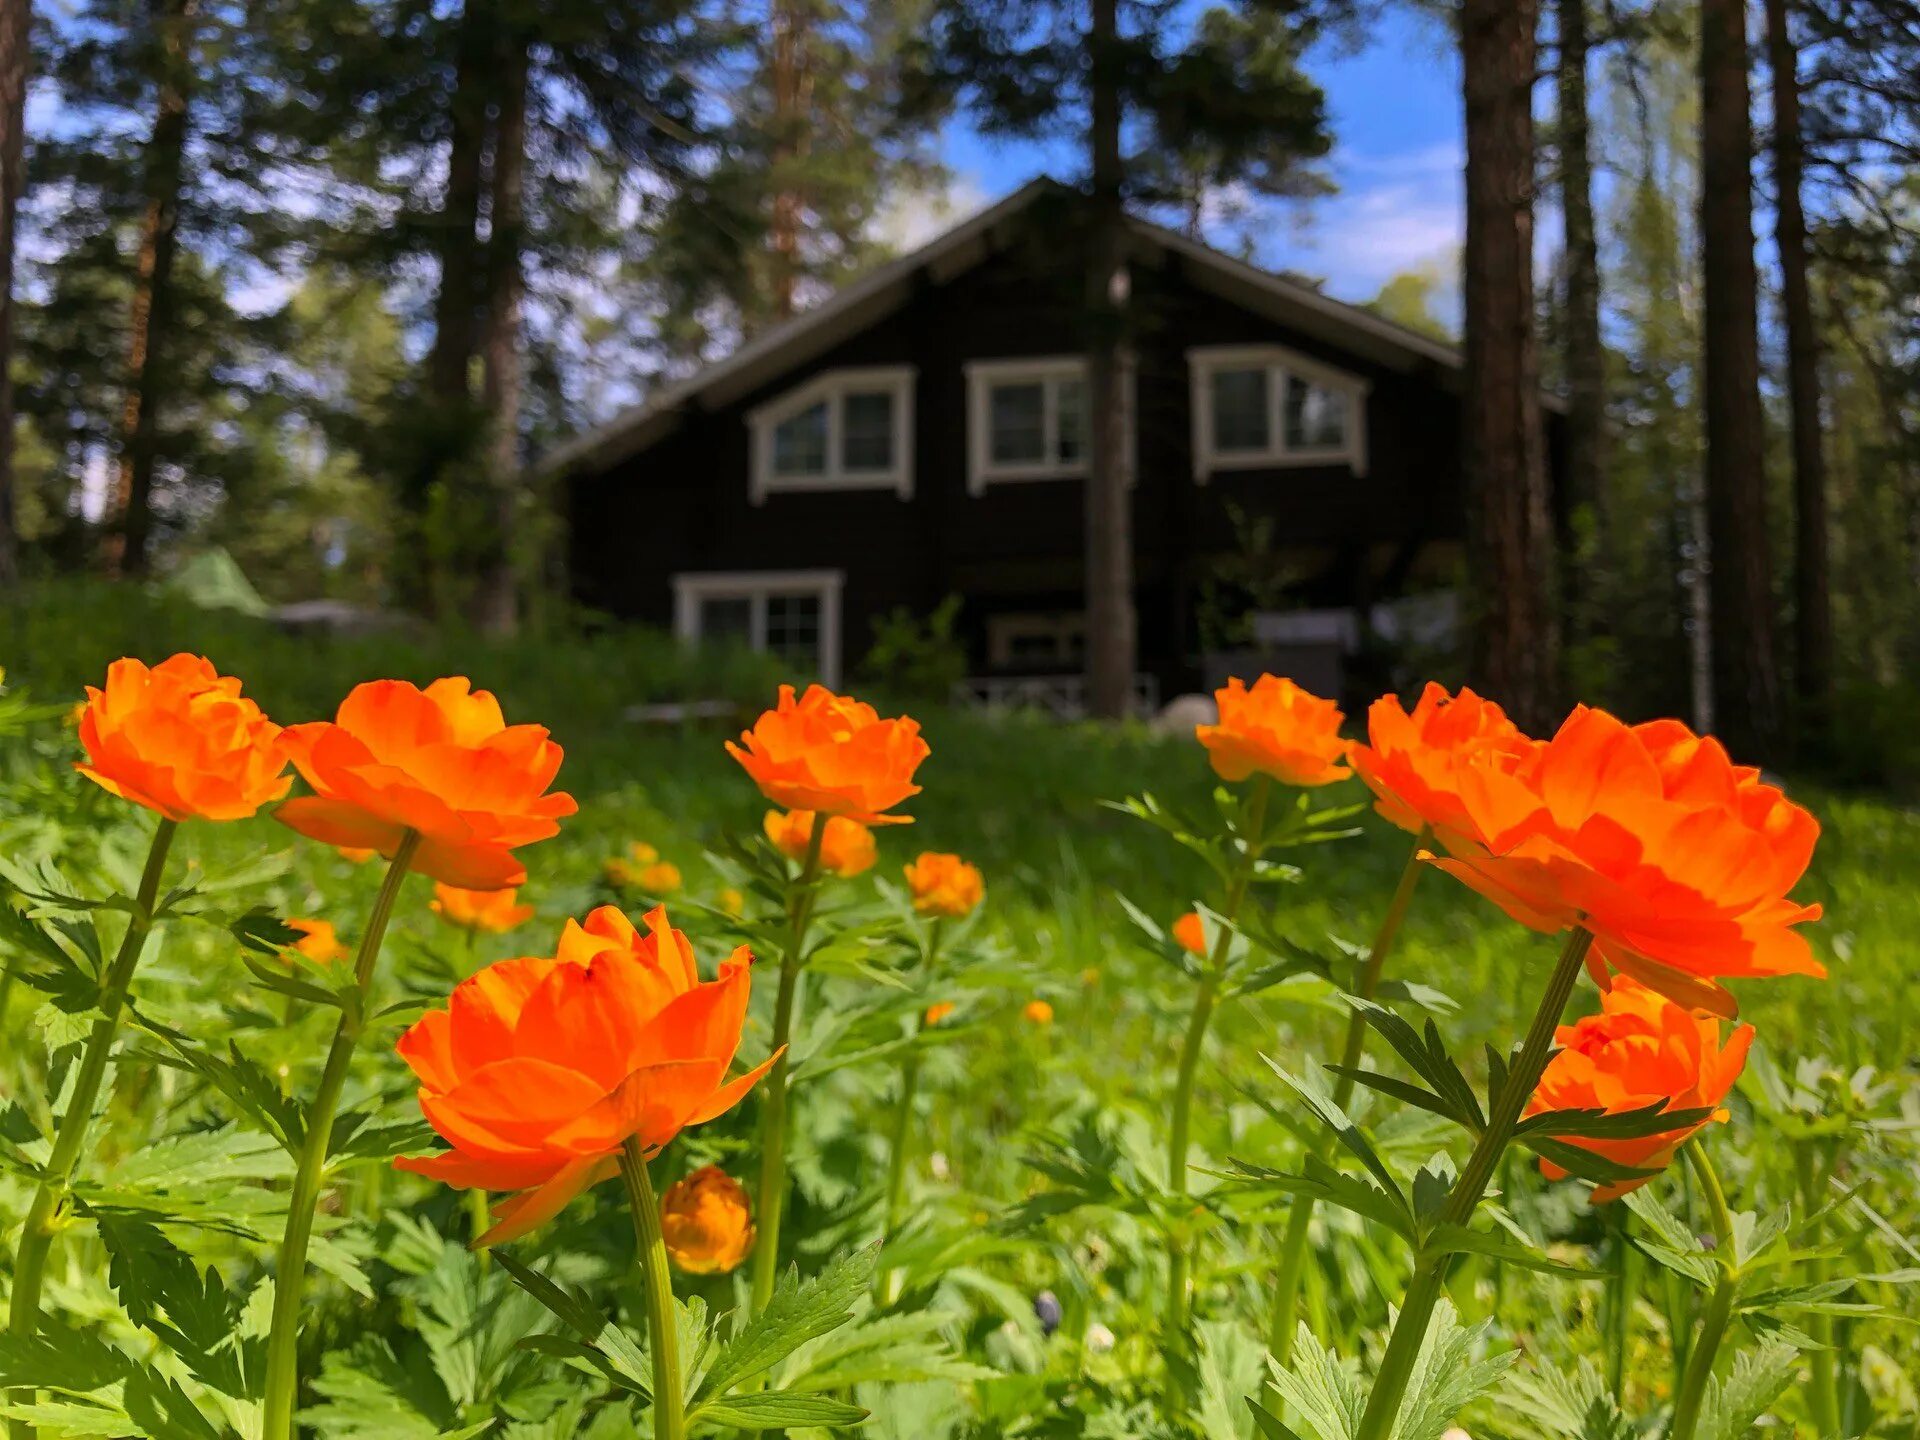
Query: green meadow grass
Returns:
{"type": "Point", "coordinates": [1024, 800]}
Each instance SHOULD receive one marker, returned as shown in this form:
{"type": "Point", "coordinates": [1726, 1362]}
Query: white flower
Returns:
{"type": "Point", "coordinates": [937, 1163]}
{"type": "Point", "coordinates": [1099, 1338]}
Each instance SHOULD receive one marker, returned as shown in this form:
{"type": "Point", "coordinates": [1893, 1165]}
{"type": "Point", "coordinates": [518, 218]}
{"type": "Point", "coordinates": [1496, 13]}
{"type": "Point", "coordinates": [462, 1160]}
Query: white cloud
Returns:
{"type": "Point", "coordinates": [1394, 212]}
{"type": "Point", "coordinates": [912, 217]}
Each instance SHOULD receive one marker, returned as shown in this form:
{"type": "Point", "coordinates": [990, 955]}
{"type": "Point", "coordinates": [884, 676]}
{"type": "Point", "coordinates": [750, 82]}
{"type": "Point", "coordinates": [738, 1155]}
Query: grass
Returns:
{"type": "Point", "coordinates": [1023, 799]}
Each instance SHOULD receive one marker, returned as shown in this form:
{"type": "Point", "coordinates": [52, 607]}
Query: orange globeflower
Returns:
{"type": "Point", "coordinates": [1191, 933]}
{"type": "Point", "coordinates": [944, 885]}
{"type": "Point", "coordinates": [1275, 729]}
{"type": "Point", "coordinates": [1640, 1050]}
{"type": "Point", "coordinates": [1039, 1012]}
{"type": "Point", "coordinates": [541, 1068]}
{"type": "Point", "coordinates": [181, 740]}
{"type": "Point", "coordinates": [832, 754]}
{"type": "Point", "coordinates": [1413, 762]}
{"type": "Point", "coordinates": [1678, 860]}
{"type": "Point", "coordinates": [318, 941]}
{"type": "Point", "coordinates": [491, 911]}
{"type": "Point", "coordinates": [440, 761]}
{"type": "Point", "coordinates": [846, 849]}
{"type": "Point", "coordinates": [706, 1222]}
{"type": "Point", "coordinates": [939, 1010]}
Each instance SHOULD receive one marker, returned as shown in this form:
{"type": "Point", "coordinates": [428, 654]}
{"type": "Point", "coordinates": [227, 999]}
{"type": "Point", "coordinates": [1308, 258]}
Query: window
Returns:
{"type": "Point", "coordinates": [842, 430]}
{"type": "Point", "coordinates": [1027, 420]}
{"type": "Point", "coordinates": [794, 614]}
{"type": "Point", "coordinates": [1055, 641]}
{"type": "Point", "coordinates": [1263, 407]}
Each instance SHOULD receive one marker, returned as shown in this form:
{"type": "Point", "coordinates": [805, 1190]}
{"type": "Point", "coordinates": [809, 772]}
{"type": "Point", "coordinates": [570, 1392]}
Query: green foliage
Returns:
{"type": "Point", "coordinates": [918, 659]}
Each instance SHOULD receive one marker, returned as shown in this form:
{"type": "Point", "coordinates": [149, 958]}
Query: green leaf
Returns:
{"type": "Point", "coordinates": [1446, 1377]}
{"type": "Point", "coordinates": [794, 1315]}
{"type": "Point", "coordinates": [1345, 1131]}
{"type": "Point", "coordinates": [1579, 1161]}
{"type": "Point", "coordinates": [1322, 1389]}
{"type": "Point", "coordinates": [580, 1315]}
{"type": "Point", "coordinates": [1426, 1055]}
{"type": "Point", "coordinates": [1350, 1192]}
{"type": "Point", "coordinates": [1268, 1424]}
{"type": "Point", "coordinates": [1730, 1407]}
{"type": "Point", "coordinates": [1654, 1119]}
{"type": "Point", "coordinates": [1450, 1239]}
{"type": "Point", "coordinates": [61, 1359]}
{"type": "Point", "coordinates": [776, 1410]}
{"type": "Point", "coordinates": [1572, 1405]}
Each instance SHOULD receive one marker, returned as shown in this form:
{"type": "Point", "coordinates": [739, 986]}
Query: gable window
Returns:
{"type": "Point", "coordinates": [1027, 420]}
{"type": "Point", "coordinates": [842, 430]}
{"type": "Point", "coordinates": [793, 614]}
{"type": "Point", "coordinates": [1261, 407]}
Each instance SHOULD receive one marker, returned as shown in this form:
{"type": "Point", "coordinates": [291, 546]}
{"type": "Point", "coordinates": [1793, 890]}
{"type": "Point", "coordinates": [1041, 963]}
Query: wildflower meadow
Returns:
{"type": "Point", "coordinates": [418, 1061]}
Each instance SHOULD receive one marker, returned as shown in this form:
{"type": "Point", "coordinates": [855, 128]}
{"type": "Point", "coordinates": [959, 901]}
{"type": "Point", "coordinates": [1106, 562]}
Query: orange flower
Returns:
{"type": "Point", "coordinates": [944, 885]}
{"type": "Point", "coordinates": [354, 855]}
{"type": "Point", "coordinates": [729, 901]}
{"type": "Point", "coordinates": [180, 740]}
{"type": "Point", "coordinates": [1039, 1012]}
{"type": "Point", "coordinates": [1191, 931]}
{"type": "Point", "coordinates": [440, 761]}
{"type": "Point", "coordinates": [491, 911]}
{"type": "Point", "coordinates": [830, 753]}
{"type": "Point", "coordinates": [706, 1222]}
{"type": "Point", "coordinates": [1414, 761]}
{"type": "Point", "coordinates": [1640, 1050]}
{"type": "Point", "coordinates": [318, 941]}
{"type": "Point", "coordinates": [939, 1010]}
{"type": "Point", "coordinates": [1678, 860]}
{"type": "Point", "coordinates": [660, 878]}
{"type": "Point", "coordinates": [846, 849]}
{"type": "Point", "coordinates": [541, 1068]}
{"type": "Point", "coordinates": [1276, 729]}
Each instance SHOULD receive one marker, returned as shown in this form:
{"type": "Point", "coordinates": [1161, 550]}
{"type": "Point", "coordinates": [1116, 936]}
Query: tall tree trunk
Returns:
{"type": "Point", "coordinates": [793, 137]}
{"type": "Point", "coordinates": [1746, 682]}
{"type": "Point", "coordinates": [16, 25]}
{"type": "Point", "coordinates": [1813, 611]}
{"type": "Point", "coordinates": [1586, 477]}
{"type": "Point", "coordinates": [162, 166]}
{"type": "Point", "coordinates": [495, 606]}
{"type": "Point", "coordinates": [456, 307]}
{"type": "Point", "coordinates": [1110, 614]}
{"type": "Point", "coordinates": [1509, 517]}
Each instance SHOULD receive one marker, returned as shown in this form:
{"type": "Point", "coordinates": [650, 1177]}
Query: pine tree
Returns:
{"type": "Point", "coordinates": [16, 25]}
{"type": "Point", "coordinates": [1112, 75]}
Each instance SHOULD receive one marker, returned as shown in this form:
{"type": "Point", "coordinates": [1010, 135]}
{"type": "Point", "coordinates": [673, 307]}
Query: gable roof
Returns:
{"type": "Point", "coordinates": [848, 311]}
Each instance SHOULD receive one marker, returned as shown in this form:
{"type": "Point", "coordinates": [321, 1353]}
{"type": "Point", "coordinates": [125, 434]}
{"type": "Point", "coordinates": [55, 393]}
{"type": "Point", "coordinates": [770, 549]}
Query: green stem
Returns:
{"type": "Point", "coordinates": [1619, 1302]}
{"type": "Point", "coordinates": [1719, 1311]}
{"type": "Point", "coordinates": [773, 1105]}
{"type": "Point", "coordinates": [1293, 1246]}
{"type": "Point", "coordinates": [290, 1274]}
{"type": "Point", "coordinates": [899, 1141]}
{"type": "Point", "coordinates": [1823, 1395]}
{"type": "Point", "coordinates": [1179, 1244]}
{"type": "Point", "coordinates": [43, 1218]}
{"type": "Point", "coordinates": [663, 1326]}
{"type": "Point", "coordinates": [1430, 1271]}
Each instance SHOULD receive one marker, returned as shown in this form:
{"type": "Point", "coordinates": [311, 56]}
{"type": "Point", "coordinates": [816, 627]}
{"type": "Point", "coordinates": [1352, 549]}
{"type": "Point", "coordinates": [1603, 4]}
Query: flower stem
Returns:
{"type": "Point", "coordinates": [1293, 1246]}
{"type": "Point", "coordinates": [1823, 1394]}
{"type": "Point", "coordinates": [1621, 1276]}
{"type": "Point", "coordinates": [1180, 1245]}
{"type": "Point", "coordinates": [669, 1397]}
{"type": "Point", "coordinates": [773, 1107]}
{"type": "Point", "coordinates": [1430, 1271]}
{"type": "Point", "coordinates": [1719, 1312]}
{"type": "Point", "coordinates": [901, 1137]}
{"type": "Point", "coordinates": [290, 1274]}
{"type": "Point", "coordinates": [43, 1220]}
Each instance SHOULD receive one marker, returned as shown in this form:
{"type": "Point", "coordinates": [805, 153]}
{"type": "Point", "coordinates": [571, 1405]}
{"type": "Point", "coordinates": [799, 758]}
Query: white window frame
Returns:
{"type": "Point", "coordinates": [1061, 627]}
{"type": "Point", "coordinates": [833, 387]}
{"type": "Point", "coordinates": [1046, 371]}
{"type": "Point", "coordinates": [1280, 363]}
{"type": "Point", "coordinates": [757, 586]}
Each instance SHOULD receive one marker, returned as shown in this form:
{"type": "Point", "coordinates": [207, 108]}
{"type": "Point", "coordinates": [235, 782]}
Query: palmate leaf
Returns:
{"type": "Point", "coordinates": [1350, 1192]}
{"type": "Point", "coordinates": [1446, 1376]}
{"type": "Point", "coordinates": [1322, 1389]}
{"type": "Point", "coordinates": [796, 1314]}
{"type": "Point", "coordinates": [244, 1083]}
{"type": "Point", "coordinates": [164, 1290]}
{"type": "Point", "coordinates": [1570, 1405]}
{"type": "Point", "coordinates": [774, 1410]}
{"type": "Point", "coordinates": [369, 1393]}
{"type": "Point", "coordinates": [1425, 1053]}
{"type": "Point", "coordinates": [1637, 1124]}
{"type": "Point", "coordinates": [1450, 1239]}
{"type": "Point", "coordinates": [68, 1361]}
{"type": "Point", "coordinates": [1731, 1407]}
{"type": "Point", "coordinates": [1671, 1243]}
{"type": "Point", "coordinates": [1324, 1108]}
{"type": "Point", "coordinates": [621, 1355]}
{"type": "Point", "coordinates": [1583, 1163]}
{"type": "Point", "coordinates": [893, 1349]}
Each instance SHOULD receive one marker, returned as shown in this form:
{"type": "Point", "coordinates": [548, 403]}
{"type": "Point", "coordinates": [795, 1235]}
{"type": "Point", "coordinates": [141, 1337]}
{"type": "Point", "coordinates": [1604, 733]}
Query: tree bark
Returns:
{"type": "Point", "coordinates": [162, 165]}
{"type": "Point", "coordinates": [1745, 678]}
{"type": "Point", "coordinates": [495, 603]}
{"type": "Point", "coordinates": [1109, 554]}
{"type": "Point", "coordinates": [456, 307]}
{"type": "Point", "coordinates": [1813, 612]}
{"type": "Point", "coordinates": [792, 138]}
{"type": "Point", "coordinates": [16, 25]}
{"type": "Point", "coordinates": [1510, 536]}
{"type": "Point", "coordinates": [1586, 477]}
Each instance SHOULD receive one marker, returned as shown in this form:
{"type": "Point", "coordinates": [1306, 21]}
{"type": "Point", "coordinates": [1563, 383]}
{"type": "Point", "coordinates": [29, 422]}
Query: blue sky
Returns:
{"type": "Point", "coordinates": [1397, 154]}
